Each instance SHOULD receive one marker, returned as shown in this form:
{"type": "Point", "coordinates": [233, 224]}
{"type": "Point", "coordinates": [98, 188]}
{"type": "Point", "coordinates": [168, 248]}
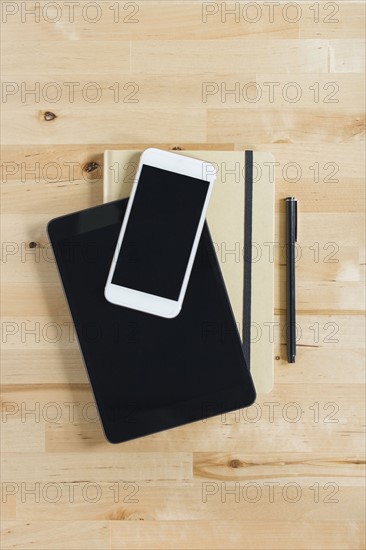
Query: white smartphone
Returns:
{"type": "Point", "coordinates": [160, 233]}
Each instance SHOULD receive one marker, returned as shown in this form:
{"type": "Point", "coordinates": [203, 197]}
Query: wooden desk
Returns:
{"type": "Point", "coordinates": [287, 473]}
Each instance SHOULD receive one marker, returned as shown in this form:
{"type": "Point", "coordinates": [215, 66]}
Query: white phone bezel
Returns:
{"type": "Point", "coordinates": [136, 299]}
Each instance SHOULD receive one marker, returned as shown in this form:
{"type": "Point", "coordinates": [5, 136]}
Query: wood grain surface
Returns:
{"type": "Point", "coordinates": [288, 78]}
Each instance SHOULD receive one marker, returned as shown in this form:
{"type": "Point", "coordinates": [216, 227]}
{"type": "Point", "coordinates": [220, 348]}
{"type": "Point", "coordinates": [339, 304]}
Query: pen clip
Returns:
{"type": "Point", "coordinates": [295, 221]}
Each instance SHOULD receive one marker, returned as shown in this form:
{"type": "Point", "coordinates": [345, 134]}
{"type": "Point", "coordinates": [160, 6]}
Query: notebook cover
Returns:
{"type": "Point", "coordinates": [241, 221]}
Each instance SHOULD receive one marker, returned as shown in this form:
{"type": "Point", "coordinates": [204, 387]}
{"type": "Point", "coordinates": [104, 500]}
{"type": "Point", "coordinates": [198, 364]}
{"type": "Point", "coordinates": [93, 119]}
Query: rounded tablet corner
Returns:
{"type": "Point", "coordinates": [49, 226]}
{"type": "Point", "coordinates": [253, 397]}
{"type": "Point", "coordinates": [108, 436]}
{"type": "Point", "coordinates": [110, 439]}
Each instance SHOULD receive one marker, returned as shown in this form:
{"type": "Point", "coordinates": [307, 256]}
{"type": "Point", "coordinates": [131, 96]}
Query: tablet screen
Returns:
{"type": "Point", "coordinates": [149, 373]}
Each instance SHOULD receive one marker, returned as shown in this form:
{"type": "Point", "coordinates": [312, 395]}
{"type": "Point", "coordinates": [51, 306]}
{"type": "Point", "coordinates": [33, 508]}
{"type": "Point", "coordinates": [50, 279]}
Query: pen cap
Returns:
{"type": "Point", "coordinates": [291, 219]}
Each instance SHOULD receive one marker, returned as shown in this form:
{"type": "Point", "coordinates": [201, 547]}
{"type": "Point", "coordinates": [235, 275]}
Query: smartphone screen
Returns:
{"type": "Point", "coordinates": [160, 232]}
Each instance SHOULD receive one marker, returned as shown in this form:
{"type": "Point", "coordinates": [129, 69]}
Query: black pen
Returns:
{"type": "Point", "coordinates": [291, 238]}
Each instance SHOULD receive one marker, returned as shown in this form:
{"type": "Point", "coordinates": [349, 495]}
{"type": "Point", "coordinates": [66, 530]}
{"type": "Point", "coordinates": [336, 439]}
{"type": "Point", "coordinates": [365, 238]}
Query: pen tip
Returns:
{"type": "Point", "coordinates": [291, 359]}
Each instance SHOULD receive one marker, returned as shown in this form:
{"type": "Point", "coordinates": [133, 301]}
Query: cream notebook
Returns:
{"type": "Point", "coordinates": [241, 221]}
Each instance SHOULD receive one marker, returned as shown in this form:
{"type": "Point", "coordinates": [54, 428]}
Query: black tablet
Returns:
{"type": "Point", "coordinates": [149, 373]}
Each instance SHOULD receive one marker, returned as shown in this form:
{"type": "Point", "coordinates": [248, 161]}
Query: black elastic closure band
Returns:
{"type": "Point", "coordinates": [248, 228]}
